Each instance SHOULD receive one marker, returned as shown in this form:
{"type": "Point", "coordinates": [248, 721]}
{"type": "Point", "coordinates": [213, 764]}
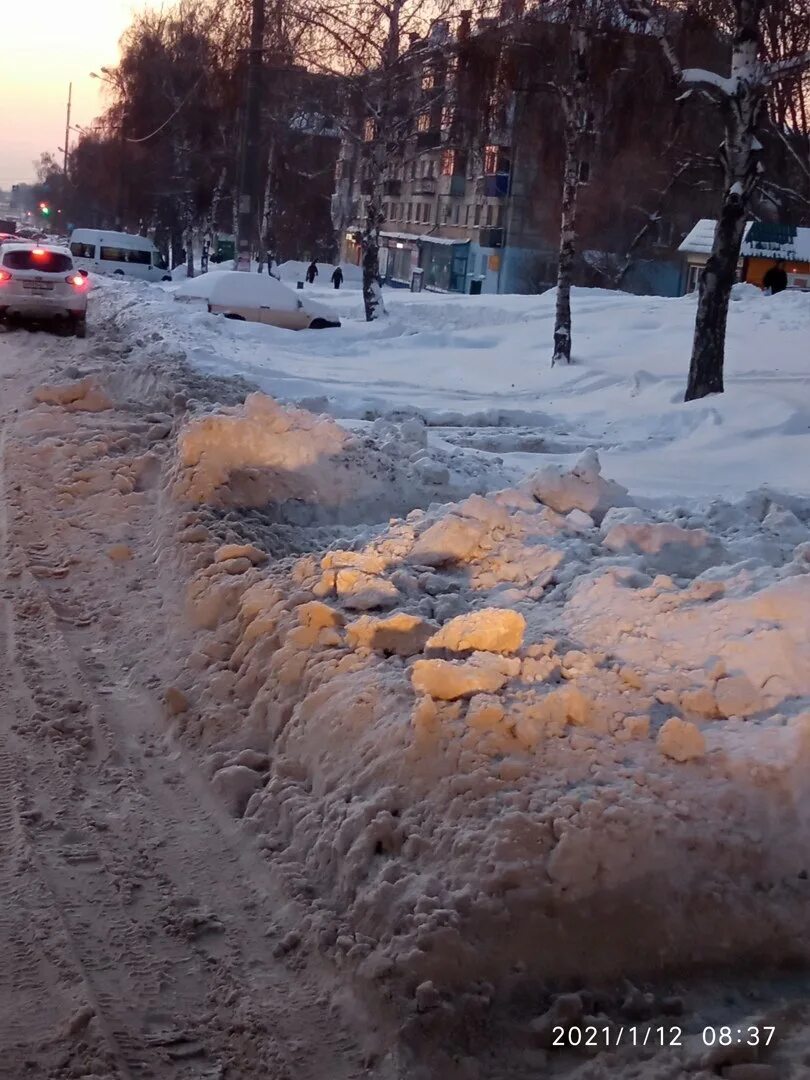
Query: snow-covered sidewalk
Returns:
{"type": "Point", "coordinates": [477, 368]}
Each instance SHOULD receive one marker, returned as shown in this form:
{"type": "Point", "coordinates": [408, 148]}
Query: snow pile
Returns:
{"type": "Point", "coordinates": [230, 287]}
{"type": "Point", "coordinates": [261, 454]}
{"type": "Point", "coordinates": [197, 288]}
{"type": "Point", "coordinates": [499, 737]}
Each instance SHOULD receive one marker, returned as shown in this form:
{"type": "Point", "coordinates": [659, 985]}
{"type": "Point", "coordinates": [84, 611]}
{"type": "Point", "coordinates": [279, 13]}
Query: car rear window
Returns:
{"type": "Point", "coordinates": [49, 262]}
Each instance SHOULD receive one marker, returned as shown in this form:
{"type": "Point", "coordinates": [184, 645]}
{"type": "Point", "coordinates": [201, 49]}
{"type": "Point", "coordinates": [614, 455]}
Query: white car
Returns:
{"type": "Point", "coordinates": [249, 297]}
{"type": "Point", "coordinates": [40, 281]}
{"type": "Point", "coordinates": [120, 254]}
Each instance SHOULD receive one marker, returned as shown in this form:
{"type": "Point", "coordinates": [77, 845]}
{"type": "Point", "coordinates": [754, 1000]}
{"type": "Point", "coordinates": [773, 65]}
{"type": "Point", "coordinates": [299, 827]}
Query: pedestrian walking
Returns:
{"type": "Point", "coordinates": [775, 280]}
{"type": "Point", "coordinates": [337, 277]}
{"type": "Point", "coordinates": [312, 272]}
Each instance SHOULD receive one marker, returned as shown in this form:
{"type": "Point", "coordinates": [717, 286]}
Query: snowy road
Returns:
{"type": "Point", "coordinates": [140, 931]}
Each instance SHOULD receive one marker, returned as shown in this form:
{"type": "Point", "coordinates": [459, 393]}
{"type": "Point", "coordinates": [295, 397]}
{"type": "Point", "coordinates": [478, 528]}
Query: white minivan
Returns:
{"type": "Point", "coordinates": [101, 252]}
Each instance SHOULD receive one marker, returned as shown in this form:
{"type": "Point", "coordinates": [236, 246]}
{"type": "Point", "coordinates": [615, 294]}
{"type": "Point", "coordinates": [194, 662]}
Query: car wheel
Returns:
{"type": "Point", "coordinates": [238, 318]}
{"type": "Point", "coordinates": [80, 328]}
{"type": "Point", "coordinates": [166, 277]}
{"type": "Point", "coordinates": [118, 273]}
{"type": "Point", "coordinates": [319, 324]}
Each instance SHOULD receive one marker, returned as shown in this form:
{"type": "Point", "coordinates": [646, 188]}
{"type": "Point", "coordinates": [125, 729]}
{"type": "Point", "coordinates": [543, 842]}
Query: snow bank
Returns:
{"type": "Point", "coordinates": [533, 750]}
{"type": "Point", "coordinates": [310, 469]}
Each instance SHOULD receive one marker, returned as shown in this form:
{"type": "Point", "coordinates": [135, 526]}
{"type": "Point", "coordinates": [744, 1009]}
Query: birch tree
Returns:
{"type": "Point", "coordinates": [741, 97]}
{"type": "Point", "coordinates": [366, 43]}
{"type": "Point", "coordinates": [576, 98]}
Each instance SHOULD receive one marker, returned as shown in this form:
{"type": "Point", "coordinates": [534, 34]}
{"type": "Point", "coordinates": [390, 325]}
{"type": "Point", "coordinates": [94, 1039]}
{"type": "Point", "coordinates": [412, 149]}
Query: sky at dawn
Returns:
{"type": "Point", "coordinates": [46, 45]}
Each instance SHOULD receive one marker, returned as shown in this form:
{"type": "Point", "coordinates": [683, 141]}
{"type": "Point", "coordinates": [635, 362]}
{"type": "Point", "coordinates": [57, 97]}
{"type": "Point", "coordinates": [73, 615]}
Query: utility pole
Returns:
{"type": "Point", "coordinates": [247, 225]}
{"type": "Point", "coordinates": [67, 132]}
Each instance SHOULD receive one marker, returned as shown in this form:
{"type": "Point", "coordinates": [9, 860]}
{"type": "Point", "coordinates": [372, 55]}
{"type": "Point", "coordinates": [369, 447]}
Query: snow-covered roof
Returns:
{"type": "Point", "coordinates": [424, 238]}
{"type": "Point", "coordinates": [759, 239]}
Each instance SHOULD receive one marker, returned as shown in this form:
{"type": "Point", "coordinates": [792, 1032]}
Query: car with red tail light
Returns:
{"type": "Point", "coordinates": [40, 281]}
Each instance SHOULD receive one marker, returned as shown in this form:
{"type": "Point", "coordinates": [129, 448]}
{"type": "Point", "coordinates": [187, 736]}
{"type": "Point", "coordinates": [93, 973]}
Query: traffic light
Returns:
{"type": "Point", "coordinates": [46, 210]}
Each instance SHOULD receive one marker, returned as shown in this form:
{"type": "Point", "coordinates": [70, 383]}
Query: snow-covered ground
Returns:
{"type": "Point", "coordinates": [477, 369]}
{"type": "Point", "coordinates": [507, 719]}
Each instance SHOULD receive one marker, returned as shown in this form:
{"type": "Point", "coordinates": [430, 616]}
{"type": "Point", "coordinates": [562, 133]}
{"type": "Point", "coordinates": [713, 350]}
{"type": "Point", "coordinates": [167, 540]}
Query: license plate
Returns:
{"type": "Point", "coordinates": [38, 286]}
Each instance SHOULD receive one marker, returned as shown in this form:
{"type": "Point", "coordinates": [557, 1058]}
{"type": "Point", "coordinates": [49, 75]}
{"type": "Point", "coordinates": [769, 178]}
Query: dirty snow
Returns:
{"type": "Point", "coordinates": [502, 672]}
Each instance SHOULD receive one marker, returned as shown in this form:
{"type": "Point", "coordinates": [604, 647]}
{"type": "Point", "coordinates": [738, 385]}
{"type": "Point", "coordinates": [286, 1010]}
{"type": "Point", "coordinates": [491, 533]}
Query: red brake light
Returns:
{"type": "Point", "coordinates": [4, 276]}
{"type": "Point", "coordinates": [76, 280]}
{"type": "Point", "coordinates": [38, 253]}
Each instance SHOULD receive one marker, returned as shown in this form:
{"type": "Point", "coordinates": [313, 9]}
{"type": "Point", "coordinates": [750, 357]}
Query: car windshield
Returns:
{"type": "Point", "coordinates": [49, 262]}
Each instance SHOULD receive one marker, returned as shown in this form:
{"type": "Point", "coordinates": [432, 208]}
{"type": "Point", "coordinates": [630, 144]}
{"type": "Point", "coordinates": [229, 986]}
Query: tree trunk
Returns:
{"type": "Point", "coordinates": [575, 98]}
{"type": "Point", "coordinates": [716, 281]}
{"type": "Point", "coordinates": [188, 244]}
{"type": "Point", "coordinates": [741, 110]}
{"type": "Point", "coordinates": [372, 286]}
{"type": "Point", "coordinates": [568, 238]}
{"type": "Point", "coordinates": [266, 238]}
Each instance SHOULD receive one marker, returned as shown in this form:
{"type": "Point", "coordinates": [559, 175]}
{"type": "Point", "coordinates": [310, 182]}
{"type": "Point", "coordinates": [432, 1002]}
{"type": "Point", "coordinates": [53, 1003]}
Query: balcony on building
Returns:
{"type": "Point", "coordinates": [458, 184]}
{"type": "Point", "coordinates": [392, 187]}
{"type": "Point", "coordinates": [490, 237]}
{"type": "Point", "coordinates": [429, 140]}
{"type": "Point", "coordinates": [424, 185]}
{"type": "Point", "coordinates": [493, 185]}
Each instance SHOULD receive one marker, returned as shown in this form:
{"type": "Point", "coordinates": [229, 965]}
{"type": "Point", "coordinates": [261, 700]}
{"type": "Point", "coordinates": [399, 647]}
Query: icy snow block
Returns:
{"type": "Point", "coordinates": [668, 548]}
{"type": "Point", "coordinates": [452, 539]}
{"type": "Point", "coordinates": [360, 591]}
{"type": "Point", "coordinates": [235, 784]}
{"type": "Point", "coordinates": [448, 680]}
{"type": "Point", "coordinates": [583, 488]}
{"type": "Point", "coordinates": [496, 630]}
{"type": "Point", "coordinates": [400, 633]}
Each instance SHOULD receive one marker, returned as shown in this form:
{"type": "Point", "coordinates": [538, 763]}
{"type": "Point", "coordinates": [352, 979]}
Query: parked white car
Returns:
{"type": "Point", "coordinates": [40, 281]}
{"type": "Point", "coordinates": [260, 298]}
{"type": "Point", "coordinates": [121, 254]}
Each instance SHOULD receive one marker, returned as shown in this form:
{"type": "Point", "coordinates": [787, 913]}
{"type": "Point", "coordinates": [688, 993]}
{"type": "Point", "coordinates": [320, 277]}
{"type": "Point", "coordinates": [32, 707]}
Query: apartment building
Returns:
{"type": "Point", "coordinates": [471, 197]}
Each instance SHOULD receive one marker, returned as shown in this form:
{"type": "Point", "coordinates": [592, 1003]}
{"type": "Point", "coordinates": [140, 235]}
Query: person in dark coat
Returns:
{"type": "Point", "coordinates": [775, 279]}
{"type": "Point", "coordinates": [312, 273]}
{"type": "Point", "coordinates": [337, 277]}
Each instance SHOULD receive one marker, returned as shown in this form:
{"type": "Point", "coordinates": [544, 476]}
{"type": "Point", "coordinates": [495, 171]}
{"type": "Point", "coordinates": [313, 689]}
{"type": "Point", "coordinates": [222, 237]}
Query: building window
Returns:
{"type": "Point", "coordinates": [584, 172]}
{"type": "Point", "coordinates": [369, 130]}
{"type": "Point", "coordinates": [423, 122]}
{"type": "Point", "coordinates": [456, 213]}
{"type": "Point", "coordinates": [340, 169]}
{"type": "Point", "coordinates": [426, 213]}
{"type": "Point", "coordinates": [447, 118]}
{"type": "Point", "coordinates": [410, 212]}
{"type": "Point", "coordinates": [467, 215]}
{"type": "Point", "coordinates": [496, 160]}
{"type": "Point", "coordinates": [448, 164]}
{"type": "Point", "coordinates": [489, 214]}
{"type": "Point", "coordinates": [413, 170]}
{"type": "Point", "coordinates": [477, 219]}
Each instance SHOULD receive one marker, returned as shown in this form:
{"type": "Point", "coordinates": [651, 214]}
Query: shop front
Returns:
{"type": "Point", "coordinates": [444, 263]}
